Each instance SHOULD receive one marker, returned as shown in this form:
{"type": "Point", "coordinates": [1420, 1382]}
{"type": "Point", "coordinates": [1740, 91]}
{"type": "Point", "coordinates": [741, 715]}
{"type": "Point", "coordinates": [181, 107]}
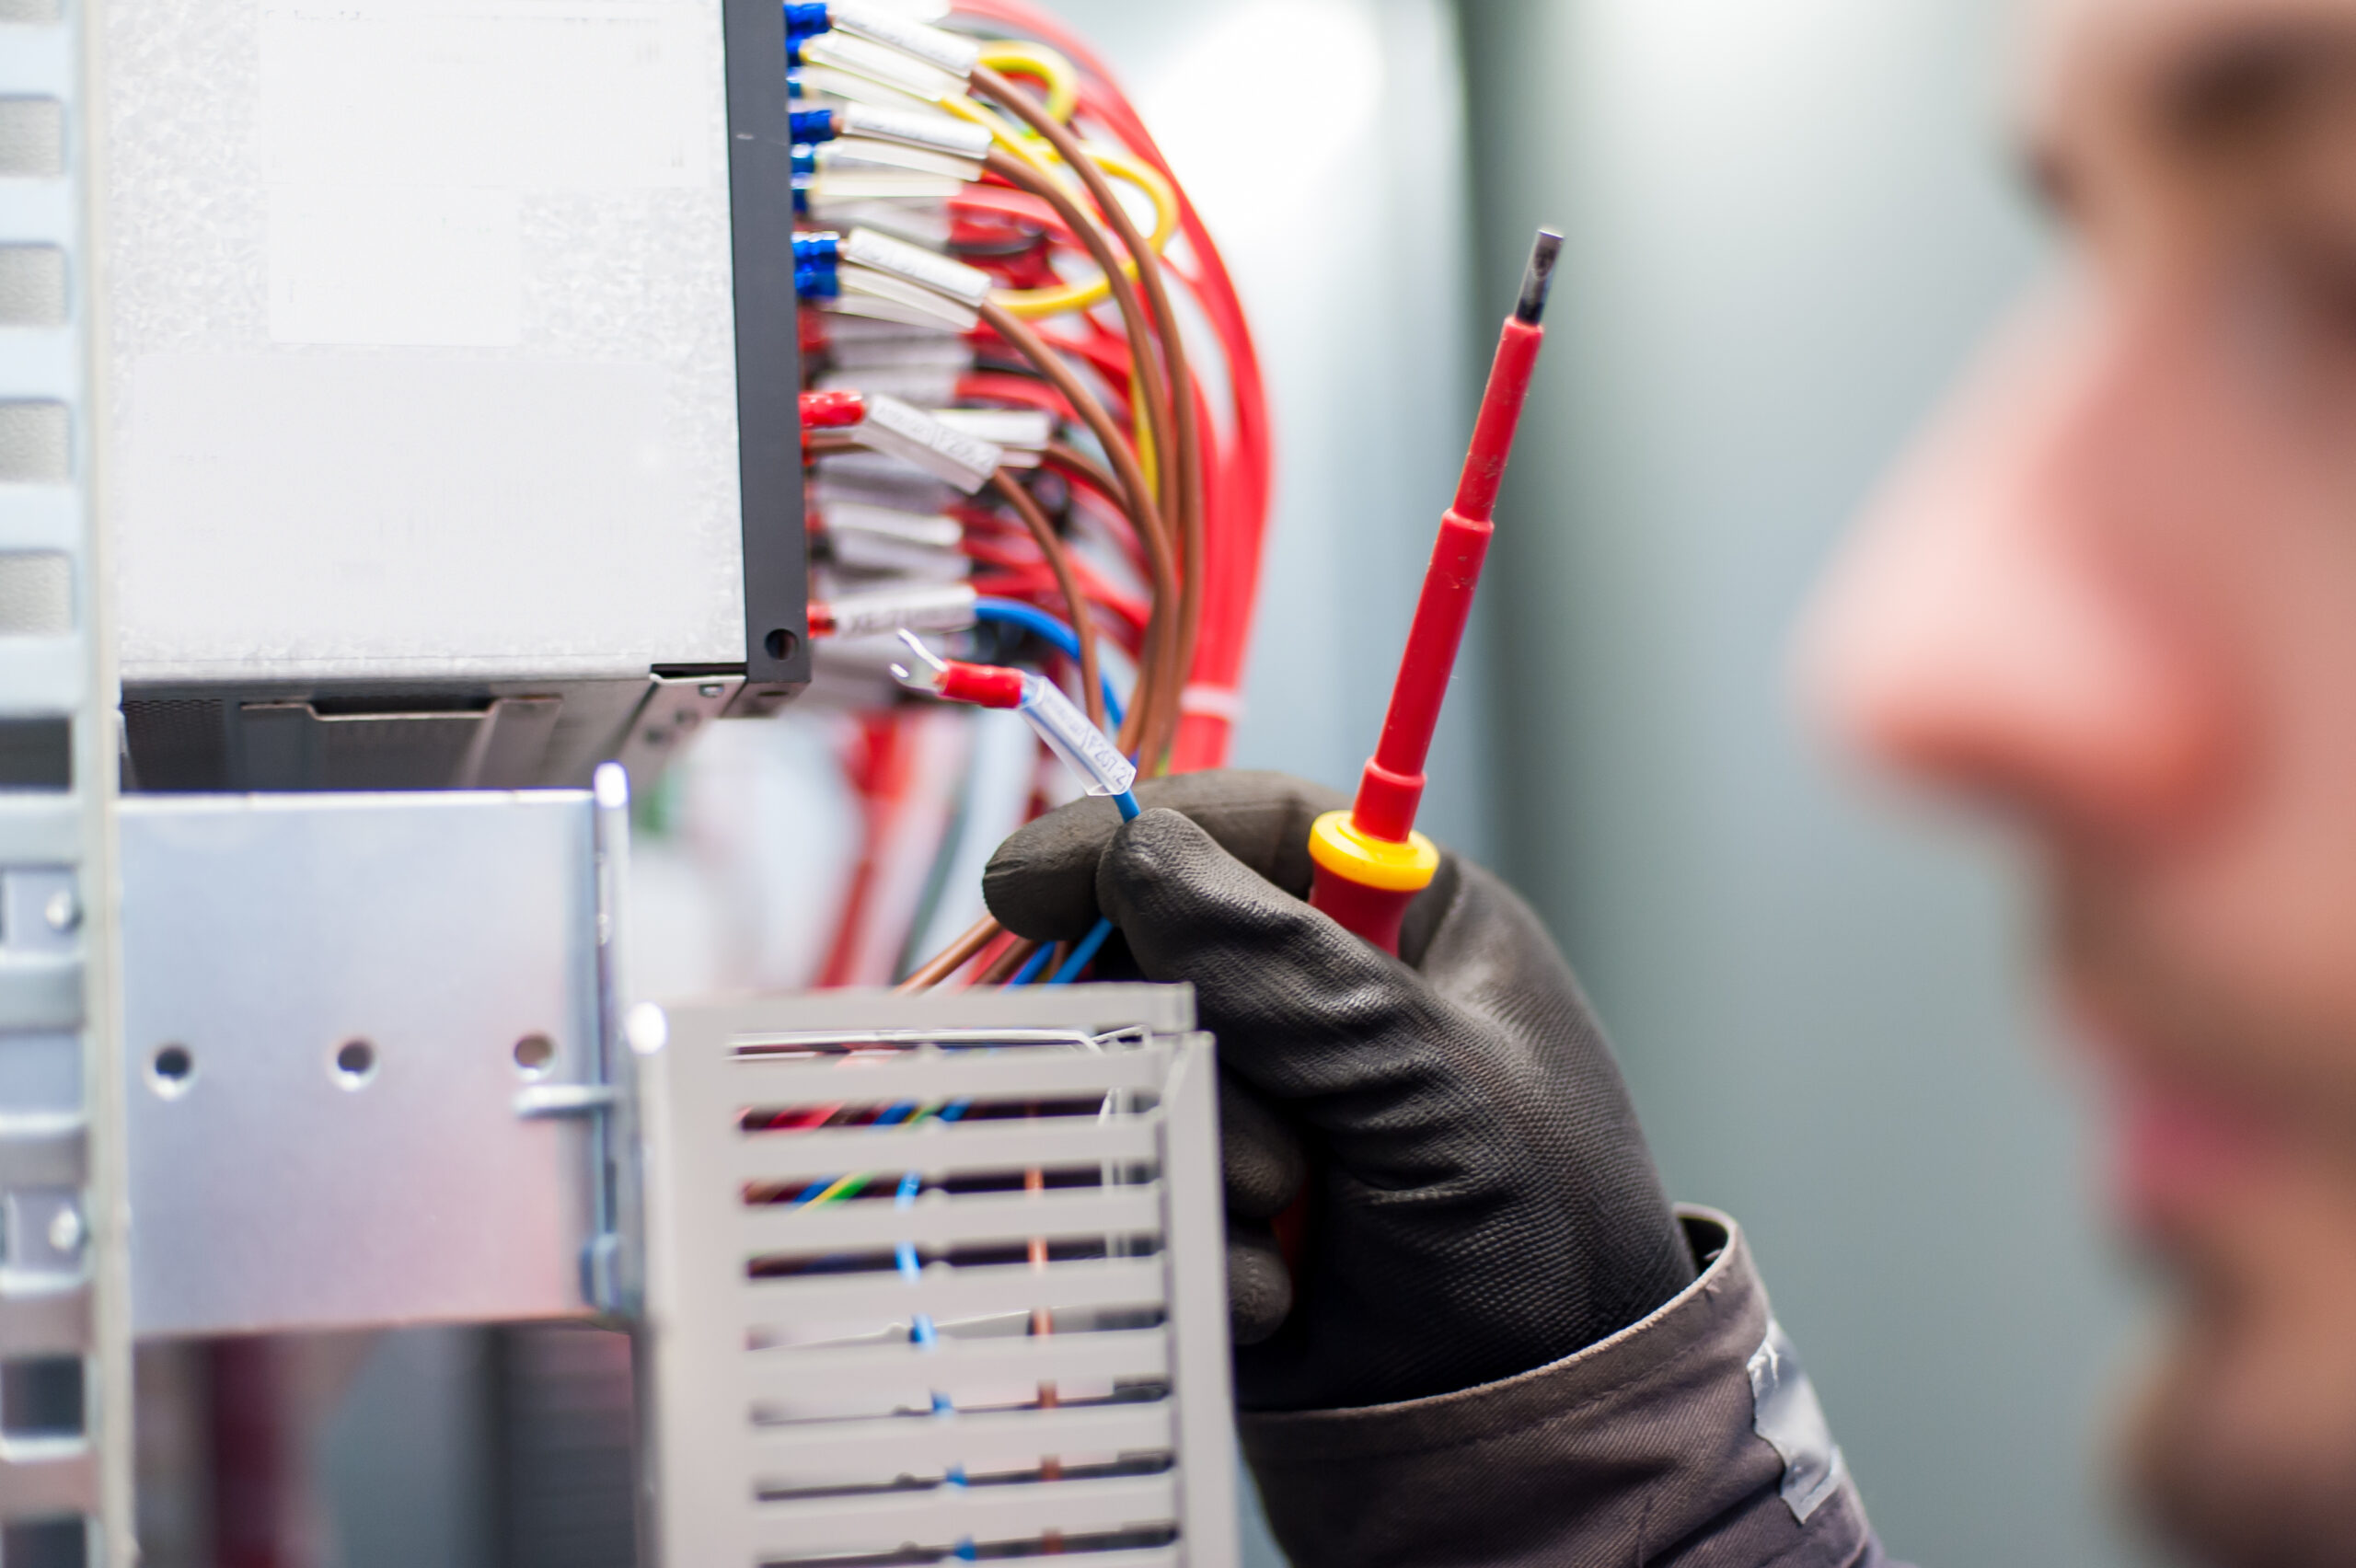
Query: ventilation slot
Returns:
{"type": "Point", "coordinates": [952, 1333]}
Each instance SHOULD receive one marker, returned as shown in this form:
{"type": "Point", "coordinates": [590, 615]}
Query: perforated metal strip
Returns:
{"type": "Point", "coordinates": [65, 1444]}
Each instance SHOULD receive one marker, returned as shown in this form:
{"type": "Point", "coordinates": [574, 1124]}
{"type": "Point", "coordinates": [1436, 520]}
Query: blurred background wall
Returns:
{"type": "Point", "coordinates": [1789, 221]}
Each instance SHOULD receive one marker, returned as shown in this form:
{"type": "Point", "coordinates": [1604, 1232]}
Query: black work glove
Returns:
{"type": "Point", "coordinates": [1482, 1200]}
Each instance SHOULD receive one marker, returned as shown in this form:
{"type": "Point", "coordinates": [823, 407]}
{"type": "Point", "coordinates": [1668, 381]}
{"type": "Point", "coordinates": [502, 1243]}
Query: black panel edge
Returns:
{"type": "Point", "coordinates": [768, 362]}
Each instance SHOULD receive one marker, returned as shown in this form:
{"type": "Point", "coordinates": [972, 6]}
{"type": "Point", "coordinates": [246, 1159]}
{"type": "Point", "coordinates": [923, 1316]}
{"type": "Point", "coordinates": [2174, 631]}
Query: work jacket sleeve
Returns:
{"type": "Point", "coordinates": [1690, 1438]}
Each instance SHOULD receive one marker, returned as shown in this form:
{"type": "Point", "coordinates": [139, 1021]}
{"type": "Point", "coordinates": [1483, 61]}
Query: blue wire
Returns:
{"type": "Point", "coordinates": [1031, 618]}
{"type": "Point", "coordinates": [1126, 803]}
{"type": "Point", "coordinates": [1082, 954]}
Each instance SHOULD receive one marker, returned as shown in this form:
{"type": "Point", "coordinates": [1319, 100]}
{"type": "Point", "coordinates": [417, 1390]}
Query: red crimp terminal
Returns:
{"type": "Point", "coordinates": [985, 686]}
{"type": "Point", "coordinates": [832, 410]}
{"type": "Point", "coordinates": [821, 619]}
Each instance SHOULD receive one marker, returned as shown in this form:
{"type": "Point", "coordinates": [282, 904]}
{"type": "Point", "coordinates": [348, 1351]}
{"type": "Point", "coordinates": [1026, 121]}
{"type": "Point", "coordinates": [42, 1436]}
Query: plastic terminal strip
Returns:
{"type": "Point", "coordinates": [1066, 730]}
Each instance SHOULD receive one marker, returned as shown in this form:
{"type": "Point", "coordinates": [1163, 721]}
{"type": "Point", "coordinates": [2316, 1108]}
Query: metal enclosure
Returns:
{"type": "Point", "coordinates": [357, 1036]}
{"type": "Point", "coordinates": [1010, 1337]}
{"type": "Point", "coordinates": [452, 386]}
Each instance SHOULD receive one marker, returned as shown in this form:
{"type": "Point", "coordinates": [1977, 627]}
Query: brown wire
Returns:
{"type": "Point", "coordinates": [1007, 962]}
{"type": "Point", "coordinates": [952, 958]}
{"type": "Point", "coordinates": [1084, 627]}
{"type": "Point", "coordinates": [1189, 455]}
{"type": "Point", "coordinates": [1155, 387]}
{"type": "Point", "coordinates": [1162, 669]}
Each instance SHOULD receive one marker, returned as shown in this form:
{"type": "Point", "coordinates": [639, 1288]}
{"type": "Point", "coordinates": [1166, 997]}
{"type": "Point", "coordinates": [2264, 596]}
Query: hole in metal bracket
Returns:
{"type": "Point", "coordinates": [172, 1070]}
{"type": "Point", "coordinates": [534, 1054]}
{"type": "Point", "coordinates": [356, 1064]}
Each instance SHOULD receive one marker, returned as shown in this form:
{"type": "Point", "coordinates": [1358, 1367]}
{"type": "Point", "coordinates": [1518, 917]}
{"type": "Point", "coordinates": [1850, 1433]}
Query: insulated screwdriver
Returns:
{"type": "Point", "coordinates": [1370, 861]}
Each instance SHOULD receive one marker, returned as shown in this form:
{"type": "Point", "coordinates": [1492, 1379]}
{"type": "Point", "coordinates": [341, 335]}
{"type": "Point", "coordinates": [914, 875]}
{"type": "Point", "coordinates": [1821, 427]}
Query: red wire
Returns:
{"type": "Point", "coordinates": [1237, 486]}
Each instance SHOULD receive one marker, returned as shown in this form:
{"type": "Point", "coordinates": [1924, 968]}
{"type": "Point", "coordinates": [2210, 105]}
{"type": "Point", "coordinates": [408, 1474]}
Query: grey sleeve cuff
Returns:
{"type": "Point", "coordinates": [1690, 1437]}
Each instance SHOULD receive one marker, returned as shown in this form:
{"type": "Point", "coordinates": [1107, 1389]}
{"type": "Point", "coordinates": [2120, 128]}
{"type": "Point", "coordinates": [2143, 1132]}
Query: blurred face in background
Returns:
{"type": "Point", "coordinates": [2113, 596]}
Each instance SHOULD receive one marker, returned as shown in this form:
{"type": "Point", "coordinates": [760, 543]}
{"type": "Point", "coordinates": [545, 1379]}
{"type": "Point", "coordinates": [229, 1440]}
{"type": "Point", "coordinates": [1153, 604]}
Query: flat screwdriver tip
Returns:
{"type": "Point", "coordinates": [1538, 278]}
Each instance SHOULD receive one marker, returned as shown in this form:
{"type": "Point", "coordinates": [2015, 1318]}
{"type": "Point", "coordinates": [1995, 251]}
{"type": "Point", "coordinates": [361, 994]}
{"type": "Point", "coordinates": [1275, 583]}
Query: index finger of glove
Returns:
{"type": "Point", "coordinates": [1301, 1008]}
{"type": "Point", "coordinates": [1042, 881]}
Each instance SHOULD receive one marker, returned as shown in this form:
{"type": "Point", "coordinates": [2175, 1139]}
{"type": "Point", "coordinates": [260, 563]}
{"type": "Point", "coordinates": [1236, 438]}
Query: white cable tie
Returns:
{"type": "Point", "coordinates": [948, 608]}
{"type": "Point", "coordinates": [882, 67]}
{"type": "Point", "coordinates": [1080, 744]}
{"type": "Point", "coordinates": [1211, 702]}
{"type": "Point", "coordinates": [895, 29]}
{"type": "Point", "coordinates": [909, 433]}
{"type": "Point", "coordinates": [919, 128]}
{"type": "Point", "coordinates": [967, 285]}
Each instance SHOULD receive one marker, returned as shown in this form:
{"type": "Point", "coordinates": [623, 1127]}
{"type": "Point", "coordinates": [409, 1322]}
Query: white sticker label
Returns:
{"type": "Point", "coordinates": [922, 609]}
{"type": "Point", "coordinates": [944, 51]}
{"type": "Point", "coordinates": [885, 67]}
{"type": "Point", "coordinates": [1070, 736]}
{"type": "Point", "coordinates": [909, 527]}
{"type": "Point", "coordinates": [1032, 428]}
{"type": "Point", "coordinates": [908, 432]}
{"type": "Point", "coordinates": [395, 265]}
{"type": "Point", "coordinates": [939, 132]}
{"type": "Point", "coordinates": [561, 94]}
{"type": "Point", "coordinates": [967, 285]}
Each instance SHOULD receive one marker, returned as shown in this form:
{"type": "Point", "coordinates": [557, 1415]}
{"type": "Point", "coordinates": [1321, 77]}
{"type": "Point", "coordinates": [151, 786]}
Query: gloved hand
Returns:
{"type": "Point", "coordinates": [1482, 1199]}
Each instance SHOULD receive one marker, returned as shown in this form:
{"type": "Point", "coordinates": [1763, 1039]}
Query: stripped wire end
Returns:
{"type": "Point", "coordinates": [1538, 278]}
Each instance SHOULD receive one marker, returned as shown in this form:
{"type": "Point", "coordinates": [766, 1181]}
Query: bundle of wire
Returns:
{"type": "Point", "coordinates": [1032, 404]}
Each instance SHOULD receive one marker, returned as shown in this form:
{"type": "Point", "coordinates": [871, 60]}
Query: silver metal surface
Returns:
{"type": "Point", "coordinates": [397, 402]}
{"type": "Point", "coordinates": [353, 985]}
{"type": "Point", "coordinates": [1016, 1277]}
{"type": "Point", "coordinates": [63, 1286]}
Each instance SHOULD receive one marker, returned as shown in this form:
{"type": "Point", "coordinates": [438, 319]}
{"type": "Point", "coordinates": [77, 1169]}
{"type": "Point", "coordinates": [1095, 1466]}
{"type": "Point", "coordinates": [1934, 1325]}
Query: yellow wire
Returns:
{"type": "Point", "coordinates": [856, 1179]}
{"type": "Point", "coordinates": [1018, 57]}
{"type": "Point", "coordinates": [1030, 304]}
{"type": "Point", "coordinates": [1056, 299]}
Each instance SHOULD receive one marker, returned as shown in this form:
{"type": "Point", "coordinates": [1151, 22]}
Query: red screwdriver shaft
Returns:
{"type": "Point", "coordinates": [1369, 868]}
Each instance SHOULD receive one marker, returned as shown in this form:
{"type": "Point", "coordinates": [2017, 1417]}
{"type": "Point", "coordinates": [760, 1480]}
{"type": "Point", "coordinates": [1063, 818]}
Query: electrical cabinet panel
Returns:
{"type": "Point", "coordinates": [447, 408]}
